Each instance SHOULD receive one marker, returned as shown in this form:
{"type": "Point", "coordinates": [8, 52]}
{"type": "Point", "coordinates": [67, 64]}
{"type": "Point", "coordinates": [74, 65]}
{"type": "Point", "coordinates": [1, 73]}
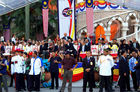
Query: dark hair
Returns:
{"type": "Point", "coordinates": [25, 53]}
{"type": "Point", "coordinates": [122, 52]}
{"type": "Point", "coordinates": [35, 52]}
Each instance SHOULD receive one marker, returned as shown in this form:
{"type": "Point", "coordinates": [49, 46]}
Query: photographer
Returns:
{"type": "Point", "coordinates": [3, 73]}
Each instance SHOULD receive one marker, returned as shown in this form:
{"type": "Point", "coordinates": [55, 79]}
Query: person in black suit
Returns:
{"type": "Point", "coordinates": [88, 65]}
{"type": "Point", "coordinates": [135, 44]}
{"type": "Point", "coordinates": [83, 47]}
{"type": "Point", "coordinates": [69, 47]}
{"type": "Point", "coordinates": [124, 72]}
{"type": "Point", "coordinates": [44, 48]}
{"type": "Point", "coordinates": [88, 44]}
{"type": "Point", "coordinates": [67, 37]}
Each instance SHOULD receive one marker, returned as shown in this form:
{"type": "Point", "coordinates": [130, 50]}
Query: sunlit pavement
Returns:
{"type": "Point", "coordinates": [74, 89]}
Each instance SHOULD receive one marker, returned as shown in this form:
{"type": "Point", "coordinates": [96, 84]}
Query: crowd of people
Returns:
{"type": "Point", "coordinates": [23, 59]}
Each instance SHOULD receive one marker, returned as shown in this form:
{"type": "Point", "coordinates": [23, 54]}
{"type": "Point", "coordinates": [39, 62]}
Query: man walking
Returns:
{"type": "Point", "coordinates": [67, 66]}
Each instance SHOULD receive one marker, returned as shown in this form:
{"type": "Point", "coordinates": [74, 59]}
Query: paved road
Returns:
{"type": "Point", "coordinates": [74, 89]}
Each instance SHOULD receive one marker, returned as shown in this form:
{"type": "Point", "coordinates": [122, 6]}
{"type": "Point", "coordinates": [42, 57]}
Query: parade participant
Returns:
{"type": "Point", "coordinates": [88, 65]}
{"type": "Point", "coordinates": [105, 64]}
{"type": "Point", "coordinates": [54, 70]}
{"type": "Point", "coordinates": [18, 70]}
{"type": "Point", "coordinates": [67, 66]}
{"type": "Point", "coordinates": [132, 64]}
{"type": "Point", "coordinates": [124, 72]}
{"type": "Point", "coordinates": [3, 73]}
{"type": "Point", "coordinates": [34, 74]}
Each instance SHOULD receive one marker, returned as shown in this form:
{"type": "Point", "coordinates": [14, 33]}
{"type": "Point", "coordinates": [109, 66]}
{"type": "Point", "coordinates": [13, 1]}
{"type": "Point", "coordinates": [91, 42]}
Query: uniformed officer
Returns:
{"type": "Point", "coordinates": [88, 65]}
{"type": "Point", "coordinates": [18, 69]}
{"type": "Point", "coordinates": [54, 60]}
{"type": "Point", "coordinates": [105, 64]}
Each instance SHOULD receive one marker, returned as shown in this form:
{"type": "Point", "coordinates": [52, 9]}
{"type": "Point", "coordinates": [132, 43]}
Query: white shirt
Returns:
{"type": "Point", "coordinates": [105, 64]}
{"type": "Point", "coordinates": [35, 66]}
{"type": "Point", "coordinates": [29, 48]}
{"type": "Point", "coordinates": [13, 65]}
{"type": "Point", "coordinates": [83, 48]}
{"type": "Point", "coordinates": [19, 65]}
{"type": "Point", "coordinates": [13, 39]}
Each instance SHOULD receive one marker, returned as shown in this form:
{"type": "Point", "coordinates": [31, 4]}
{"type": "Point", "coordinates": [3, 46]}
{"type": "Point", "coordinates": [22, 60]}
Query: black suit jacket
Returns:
{"type": "Point", "coordinates": [70, 48]}
{"type": "Point", "coordinates": [88, 46]}
{"type": "Point", "coordinates": [123, 66]}
{"type": "Point", "coordinates": [43, 47]}
{"type": "Point", "coordinates": [85, 49]}
{"type": "Point", "coordinates": [90, 64]}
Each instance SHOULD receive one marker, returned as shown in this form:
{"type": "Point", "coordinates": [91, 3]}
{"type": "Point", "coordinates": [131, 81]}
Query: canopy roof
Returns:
{"type": "Point", "coordinates": [7, 6]}
{"type": "Point", "coordinates": [132, 4]}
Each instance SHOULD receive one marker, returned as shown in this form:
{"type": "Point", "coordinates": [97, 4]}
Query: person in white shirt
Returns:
{"type": "Point", "coordinates": [105, 64]}
{"type": "Point", "coordinates": [13, 38]}
{"type": "Point", "coordinates": [34, 74]}
{"type": "Point", "coordinates": [18, 70]}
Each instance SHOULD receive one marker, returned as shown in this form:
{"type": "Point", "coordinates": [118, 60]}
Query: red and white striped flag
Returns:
{"type": "Point", "coordinates": [45, 16]}
{"type": "Point", "coordinates": [89, 16]}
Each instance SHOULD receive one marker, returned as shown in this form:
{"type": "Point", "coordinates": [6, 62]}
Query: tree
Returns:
{"type": "Point", "coordinates": [17, 20]}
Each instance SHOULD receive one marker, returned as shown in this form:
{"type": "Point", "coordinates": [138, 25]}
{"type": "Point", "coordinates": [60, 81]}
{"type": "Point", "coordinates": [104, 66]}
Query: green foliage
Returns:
{"type": "Point", "coordinates": [17, 20]}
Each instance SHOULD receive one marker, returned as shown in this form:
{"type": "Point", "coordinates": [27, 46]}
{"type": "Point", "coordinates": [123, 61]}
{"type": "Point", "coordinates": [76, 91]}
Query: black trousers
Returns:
{"type": "Point", "coordinates": [11, 82]}
{"type": "Point", "coordinates": [124, 83]}
{"type": "Point", "coordinates": [105, 81]}
{"type": "Point", "coordinates": [135, 82]}
{"type": "Point", "coordinates": [20, 84]}
{"type": "Point", "coordinates": [34, 82]}
{"type": "Point", "coordinates": [27, 80]}
{"type": "Point", "coordinates": [88, 78]}
{"type": "Point", "coordinates": [54, 75]}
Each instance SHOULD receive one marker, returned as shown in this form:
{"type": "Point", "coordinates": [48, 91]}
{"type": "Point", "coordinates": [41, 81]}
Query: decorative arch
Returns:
{"type": "Point", "coordinates": [129, 15]}
{"type": "Point", "coordinates": [131, 19]}
{"type": "Point", "coordinates": [100, 31]}
{"type": "Point", "coordinates": [113, 19]}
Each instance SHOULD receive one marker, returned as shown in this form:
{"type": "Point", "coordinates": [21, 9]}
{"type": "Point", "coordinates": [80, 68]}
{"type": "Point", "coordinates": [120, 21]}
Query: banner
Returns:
{"type": "Point", "coordinates": [6, 33]}
{"type": "Point", "coordinates": [66, 13]}
{"type": "Point", "coordinates": [89, 16]}
{"type": "Point", "coordinates": [45, 16]}
{"type": "Point", "coordinates": [94, 49]}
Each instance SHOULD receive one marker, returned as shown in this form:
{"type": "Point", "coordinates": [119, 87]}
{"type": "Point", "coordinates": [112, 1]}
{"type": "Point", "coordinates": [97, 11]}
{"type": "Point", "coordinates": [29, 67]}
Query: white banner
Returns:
{"type": "Point", "coordinates": [66, 13]}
